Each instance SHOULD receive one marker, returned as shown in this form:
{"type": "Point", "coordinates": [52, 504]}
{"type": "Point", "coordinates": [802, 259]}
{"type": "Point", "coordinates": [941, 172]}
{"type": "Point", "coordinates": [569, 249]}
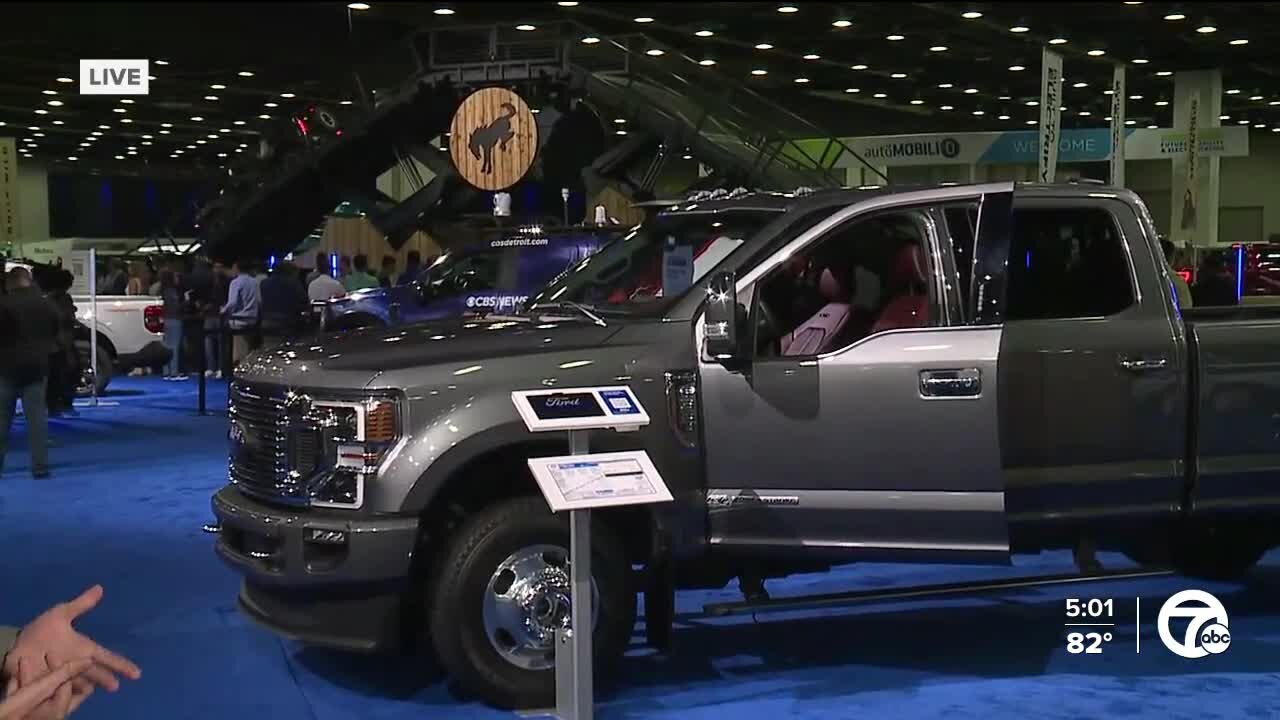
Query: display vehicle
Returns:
{"type": "Point", "coordinates": [488, 276]}
{"type": "Point", "coordinates": [943, 374]}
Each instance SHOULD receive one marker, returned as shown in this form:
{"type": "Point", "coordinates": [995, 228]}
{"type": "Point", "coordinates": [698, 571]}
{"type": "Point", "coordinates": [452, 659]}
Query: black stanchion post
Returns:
{"type": "Point", "coordinates": [203, 365]}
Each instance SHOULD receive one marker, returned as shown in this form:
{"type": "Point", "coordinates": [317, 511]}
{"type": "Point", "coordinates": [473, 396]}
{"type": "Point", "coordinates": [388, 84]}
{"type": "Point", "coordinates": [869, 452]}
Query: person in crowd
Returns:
{"type": "Point", "coordinates": [324, 287]}
{"type": "Point", "coordinates": [321, 268]}
{"type": "Point", "coordinates": [29, 329]}
{"type": "Point", "coordinates": [204, 300]}
{"type": "Point", "coordinates": [387, 275]}
{"type": "Point", "coordinates": [359, 279]}
{"type": "Point", "coordinates": [1214, 282]}
{"type": "Point", "coordinates": [50, 668]}
{"type": "Point", "coordinates": [64, 363]}
{"type": "Point", "coordinates": [412, 267]}
{"type": "Point", "coordinates": [117, 280]}
{"type": "Point", "coordinates": [284, 303]}
{"type": "Point", "coordinates": [1180, 287]}
{"type": "Point", "coordinates": [244, 301]}
{"type": "Point", "coordinates": [155, 284]}
{"type": "Point", "coordinates": [344, 267]}
{"type": "Point", "coordinates": [171, 294]}
{"type": "Point", "coordinates": [137, 284]}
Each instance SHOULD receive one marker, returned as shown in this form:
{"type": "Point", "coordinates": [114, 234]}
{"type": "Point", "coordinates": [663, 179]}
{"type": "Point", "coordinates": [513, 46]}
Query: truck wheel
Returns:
{"type": "Point", "coordinates": [503, 590]}
{"type": "Point", "coordinates": [1218, 553]}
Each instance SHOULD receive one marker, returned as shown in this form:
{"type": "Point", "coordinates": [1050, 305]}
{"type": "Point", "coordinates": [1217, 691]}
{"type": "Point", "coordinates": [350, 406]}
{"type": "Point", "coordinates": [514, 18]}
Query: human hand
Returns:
{"type": "Point", "coordinates": [50, 641]}
{"type": "Point", "coordinates": [50, 695]}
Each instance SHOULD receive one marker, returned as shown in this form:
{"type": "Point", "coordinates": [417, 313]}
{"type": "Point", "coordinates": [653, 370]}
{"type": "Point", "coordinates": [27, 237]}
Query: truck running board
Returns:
{"type": "Point", "coordinates": [809, 602]}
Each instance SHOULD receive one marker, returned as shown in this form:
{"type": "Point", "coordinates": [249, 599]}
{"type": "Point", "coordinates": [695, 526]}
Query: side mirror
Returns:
{"type": "Point", "coordinates": [722, 325]}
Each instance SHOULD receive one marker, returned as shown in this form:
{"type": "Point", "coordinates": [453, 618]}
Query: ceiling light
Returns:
{"type": "Point", "coordinates": [443, 11]}
{"type": "Point", "coordinates": [49, 92]}
{"type": "Point", "coordinates": [1163, 73]}
{"type": "Point", "coordinates": [191, 147]}
{"type": "Point", "coordinates": [704, 33]}
{"type": "Point", "coordinates": [1174, 17]}
{"type": "Point", "coordinates": [946, 86]}
{"type": "Point", "coordinates": [1058, 41]}
{"type": "Point", "coordinates": [1017, 68]}
{"type": "Point", "coordinates": [270, 104]}
{"type": "Point", "coordinates": [898, 76]}
{"type": "Point", "coordinates": [1032, 103]}
{"type": "Point", "coordinates": [33, 128]}
{"type": "Point", "coordinates": [222, 154]}
{"type": "Point", "coordinates": [812, 56]}
{"type": "Point", "coordinates": [1108, 91]}
{"type": "Point", "coordinates": [1239, 41]}
{"type": "Point", "coordinates": [1224, 117]}
{"type": "Point", "coordinates": [211, 98]}
{"type": "Point", "coordinates": [202, 142]}
{"type": "Point", "coordinates": [166, 125]}
{"type": "Point", "coordinates": [245, 73]}
{"type": "Point", "coordinates": [119, 110]}
{"type": "Point", "coordinates": [979, 112]}
{"type": "Point", "coordinates": [1140, 61]}
{"type": "Point", "coordinates": [152, 78]}
{"type": "Point", "coordinates": [126, 101]}
{"type": "Point", "coordinates": [947, 107]}
{"type": "Point", "coordinates": [1206, 29]}
{"type": "Point", "coordinates": [37, 134]}
{"type": "Point", "coordinates": [787, 9]}
{"type": "Point", "coordinates": [1135, 97]}
{"type": "Point", "coordinates": [1242, 122]}
{"type": "Point", "coordinates": [1162, 103]}
{"type": "Point", "coordinates": [938, 48]}
{"type": "Point", "coordinates": [764, 46]}
{"type": "Point", "coordinates": [1130, 122]}
{"type": "Point", "coordinates": [654, 52]}
{"type": "Point", "coordinates": [164, 132]}
{"type": "Point", "coordinates": [58, 122]}
{"type": "Point", "coordinates": [1019, 29]}
{"type": "Point", "coordinates": [217, 86]}
{"type": "Point", "coordinates": [1031, 122]}
{"type": "Point", "coordinates": [264, 117]}
{"type": "Point", "coordinates": [126, 121]}
{"type": "Point", "coordinates": [880, 95]}
{"type": "Point", "coordinates": [41, 111]}
{"type": "Point", "coordinates": [841, 23]}
{"type": "Point", "coordinates": [971, 15]}
{"type": "Point", "coordinates": [759, 72]}
{"type": "Point", "coordinates": [119, 157]}
{"type": "Point", "coordinates": [971, 91]}
{"type": "Point", "coordinates": [1233, 91]}
{"type": "Point", "coordinates": [1063, 108]}
{"type": "Point", "coordinates": [196, 118]}
{"type": "Point", "coordinates": [1006, 98]}
{"type": "Point", "coordinates": [644, 19]}
{"type": "Point", "coordinates": [1002, 117]}
{"type": "Point", "coordinates": [707, 63]}
{"type": "Point", "coordinates": [526, 27]}
{"type": "Point", "coordinates": [234, 122]}
{"type": "Point", "coordinates": [1255, 98]}
{"type": "Point", "coordinates": [287, 95]}
{"type": "Point", "coordinates": [895, 37]}
{"type": "Point", "coordinates": [590, 40]}
{"type": "Point", "coordinates": [859, 66]}
{"type": "Point", "coordinates": [160, 62]}
{"type": "Point", "coordinates": [1085, 113]}
{"type": "Point", "coordinates": [212, 136]}
{"type": "Point", "coordinates": [344, 102]}
{"type": "Point", "coordinates": [244, 145]}
{"type": "Point", "coordinates": [1080, 85]}
{"type": "Point", "coordinates": [917, 101]}
{"type": "Point", "coordinates": [1274, 102]}
{"type": "Point", "coordinates": [1096, 53]}
{"type": "Point", "coordinates": [95, 133]}
{"type": "Point", "coordinates": [65, 79]}
{"type": "Point", "coordinates": [1259, 126]}
{"type": "Point", "coordinates": [802, 80]}
{"type": "Point", "coordinates": [619, 132]}
{"type": "Point", "coordinates": [147, 137]}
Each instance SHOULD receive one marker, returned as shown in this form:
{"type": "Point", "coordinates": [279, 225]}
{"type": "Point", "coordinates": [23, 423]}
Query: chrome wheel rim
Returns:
{"type": "Point", "coordinates": [526, 600]}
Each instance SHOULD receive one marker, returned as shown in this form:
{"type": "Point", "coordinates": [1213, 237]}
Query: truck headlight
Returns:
{"type": "Point", "coordinates": [356, 437]}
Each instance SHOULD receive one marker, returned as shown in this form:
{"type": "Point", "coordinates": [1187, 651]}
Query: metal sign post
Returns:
{"type": "Point", "coordinates": [577, 483]}
{"type": "Point", "coordinates": [93, 324]}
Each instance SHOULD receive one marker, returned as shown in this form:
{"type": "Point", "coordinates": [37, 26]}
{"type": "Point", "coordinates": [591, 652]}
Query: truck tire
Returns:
{"type": "Point", "coordinates": [1218, 552]}
{"type": "Point", "coordinates": [503, 588]}
{"type": "Point", "coordinates": [106, 369]}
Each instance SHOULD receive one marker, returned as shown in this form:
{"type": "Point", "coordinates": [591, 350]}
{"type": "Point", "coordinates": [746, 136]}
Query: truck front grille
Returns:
{"type": "Point", "coordinates": [270, 456]}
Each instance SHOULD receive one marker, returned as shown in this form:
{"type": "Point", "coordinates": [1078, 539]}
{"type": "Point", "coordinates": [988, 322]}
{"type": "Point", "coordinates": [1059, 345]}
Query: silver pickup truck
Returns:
{"type": "Point", "coordinates": [945, 374]}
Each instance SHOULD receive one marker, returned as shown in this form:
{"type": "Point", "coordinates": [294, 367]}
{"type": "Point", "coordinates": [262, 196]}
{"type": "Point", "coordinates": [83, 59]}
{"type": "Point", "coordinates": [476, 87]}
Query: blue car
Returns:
{"type": "Point", "coordinates": [495, 276]}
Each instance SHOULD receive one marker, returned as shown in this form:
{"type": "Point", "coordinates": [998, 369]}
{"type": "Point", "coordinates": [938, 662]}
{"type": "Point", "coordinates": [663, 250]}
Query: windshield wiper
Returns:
{"type": "Point", "coordinates": [583, 309]}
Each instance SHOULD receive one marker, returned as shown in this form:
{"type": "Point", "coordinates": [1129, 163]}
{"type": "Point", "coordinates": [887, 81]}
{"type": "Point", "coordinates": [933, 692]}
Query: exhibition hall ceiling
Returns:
{"type": "Point", "coordinates": [226, 74]}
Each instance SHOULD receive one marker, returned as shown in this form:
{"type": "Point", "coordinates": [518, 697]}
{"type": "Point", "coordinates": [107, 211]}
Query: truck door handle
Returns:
{"type": "Point", "coordinates": [961, 382]}
{"type": "Point", "coordinates": [1140, 364]}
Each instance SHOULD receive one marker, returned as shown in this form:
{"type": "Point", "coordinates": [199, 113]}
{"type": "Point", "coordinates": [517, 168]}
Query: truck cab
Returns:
{"type": "Point", "coordinates": [939, 374]}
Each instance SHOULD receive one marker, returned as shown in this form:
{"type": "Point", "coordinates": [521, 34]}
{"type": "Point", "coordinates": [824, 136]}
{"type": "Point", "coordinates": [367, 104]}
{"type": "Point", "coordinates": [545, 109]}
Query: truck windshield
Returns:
{"type": "Point", "coordinates": [641, 272]}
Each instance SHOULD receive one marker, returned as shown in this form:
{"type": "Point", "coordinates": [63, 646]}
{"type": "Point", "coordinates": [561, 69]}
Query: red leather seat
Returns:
{"type": "Point", "coordinates": [818, 333]}
{"type": "Point", "coordinates": [908, 306]}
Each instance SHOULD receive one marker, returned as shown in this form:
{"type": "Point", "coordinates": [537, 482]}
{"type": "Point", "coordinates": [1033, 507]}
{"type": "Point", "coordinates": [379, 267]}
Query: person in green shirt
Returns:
{"type": "Point", "coordinates": [359, 279]}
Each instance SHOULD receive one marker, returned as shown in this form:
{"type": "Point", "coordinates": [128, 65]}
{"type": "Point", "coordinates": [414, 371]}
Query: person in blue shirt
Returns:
{"type": "Point", "coordinates": [244, 302]}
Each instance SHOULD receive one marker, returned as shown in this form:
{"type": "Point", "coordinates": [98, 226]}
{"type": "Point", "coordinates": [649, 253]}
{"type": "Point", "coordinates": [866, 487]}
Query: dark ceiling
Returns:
{"type": "Point", "coordinates": [833, 63]}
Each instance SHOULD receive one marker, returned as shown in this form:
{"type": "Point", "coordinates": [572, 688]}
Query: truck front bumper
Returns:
{"type": "Point", "coordinates": [322, 577]}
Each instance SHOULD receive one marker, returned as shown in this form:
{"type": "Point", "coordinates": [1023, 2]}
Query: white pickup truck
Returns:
{"type": "Point", "coordinates": [130, 332]}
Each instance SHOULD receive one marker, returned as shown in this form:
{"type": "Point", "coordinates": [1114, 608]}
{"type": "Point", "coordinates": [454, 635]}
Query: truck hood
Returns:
{"type": "Point", "coordinates": [353, 358]}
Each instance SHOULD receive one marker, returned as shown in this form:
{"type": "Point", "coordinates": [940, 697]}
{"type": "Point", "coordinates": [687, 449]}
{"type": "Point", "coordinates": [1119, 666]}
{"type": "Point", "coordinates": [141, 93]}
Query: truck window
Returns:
{"type": "Point", "coordinates": [868, 276]}
{"type": "Point", "coordinates": [1066, 263]}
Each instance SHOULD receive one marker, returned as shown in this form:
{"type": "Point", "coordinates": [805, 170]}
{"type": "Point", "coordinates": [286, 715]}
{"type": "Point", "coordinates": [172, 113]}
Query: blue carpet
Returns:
{"type": "Point", "coordinates": [131, 489]}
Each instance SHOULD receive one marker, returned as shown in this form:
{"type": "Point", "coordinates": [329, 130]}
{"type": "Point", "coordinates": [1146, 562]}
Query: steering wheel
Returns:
{"type": "Point", "coordinates": [768, 328]}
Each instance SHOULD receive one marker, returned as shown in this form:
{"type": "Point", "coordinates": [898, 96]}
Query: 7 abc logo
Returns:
{"type": "Point", "coordinates": [1207, 632]}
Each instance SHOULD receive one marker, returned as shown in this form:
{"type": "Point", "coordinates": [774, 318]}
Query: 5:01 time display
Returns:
{"type": "Point", "coordinates": [1091, 608]}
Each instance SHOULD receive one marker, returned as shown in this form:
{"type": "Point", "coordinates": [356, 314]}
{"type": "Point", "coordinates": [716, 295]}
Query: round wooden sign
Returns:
{"type": "Point", "coordinates": [494, 138]}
